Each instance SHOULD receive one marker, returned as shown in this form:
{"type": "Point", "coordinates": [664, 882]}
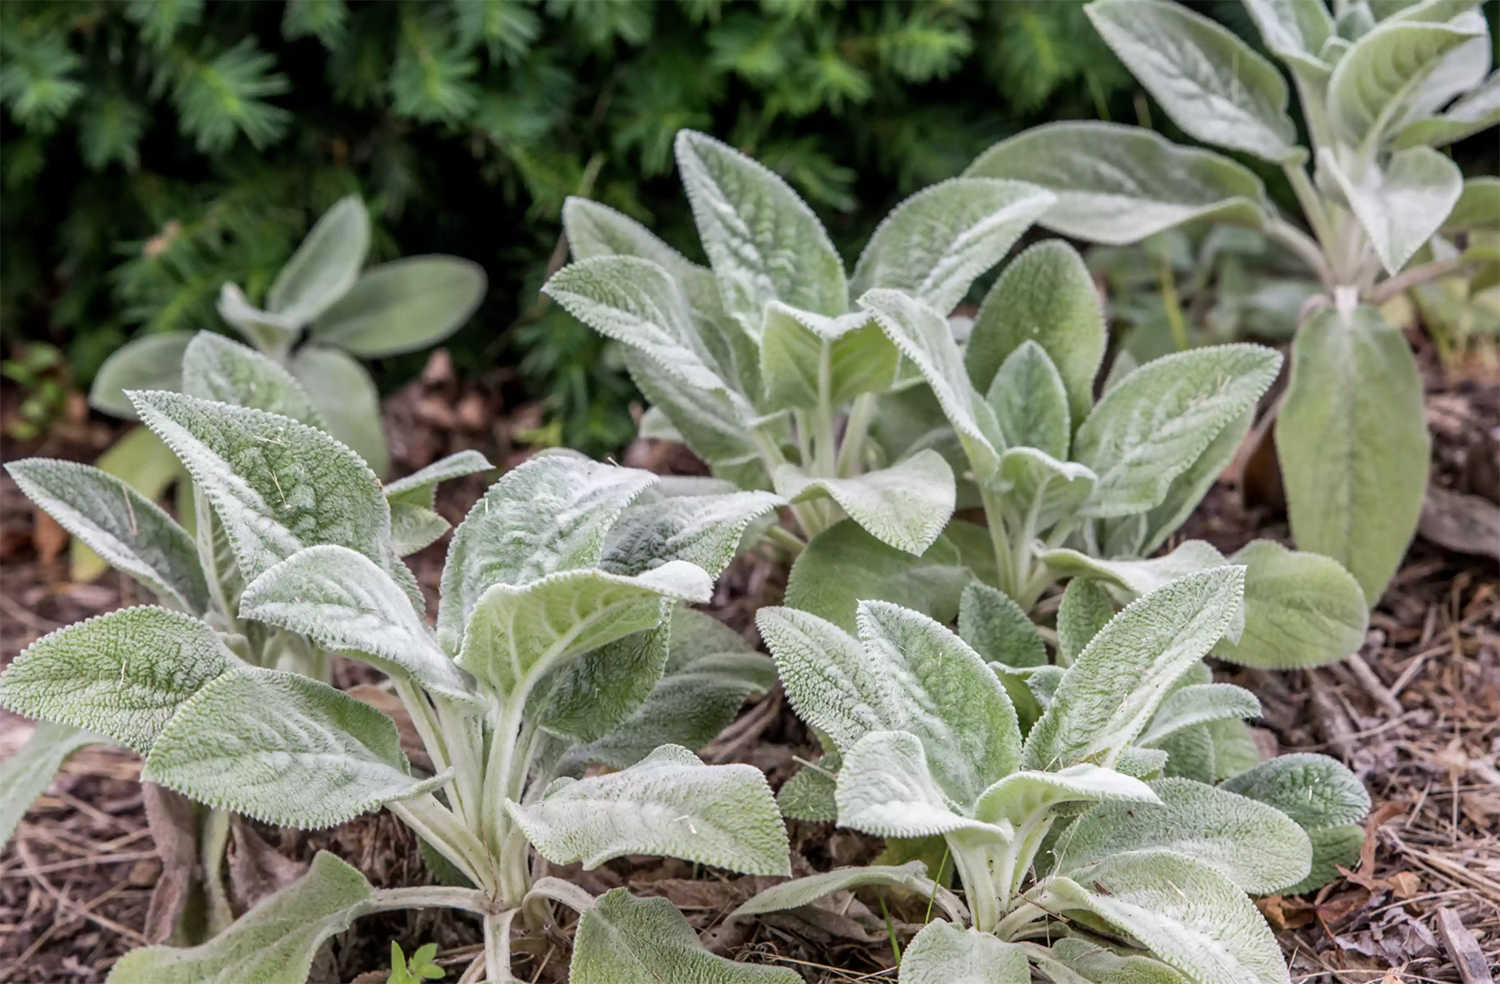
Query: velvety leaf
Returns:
{"type": "Point", "coordinates": [705, 530]}
{"type": "Point", "coordinates": [924, 338]}
{"type": "Point", "coordinates": [403, 306]}
{"type": "Point", "coordinates": [810, 794]}
{"type": "Point", "coordinates": [998, 629]}
{"type": "Point", "coordinates": [598, 230]}
{"type": "Point", "coordinates": [142, 461]}
{"type": "Point", "coordinates": [1189, 488]}
{"type": "Point", "coordinates": [1030, 402]}
{"type": "Point", "coordinates": [584, 698]}
{"type": "Point", "coordinates": [151, 362]}
{"type": "Point", "coordinates": [906, 505]}
{"type": "Point", "coordinates": [1314, 790]}
{"type": "Point", "coordinates": [420, 487]}
{"type": "Point", "coordinates": [283, 749]}
{"type": "Point", "coordinates": [625, 940]}
{"type": "Point", "coordinates": [1115, 686]}
{"type": "Point", "coordinates": [1199, 703]}
{"type": "Point", "coordinates": [122, 675]}
{"type": "Point", "coordinates": [1301, 609]}
{"type": "Point", "coordinates": [1185, 913]}
{"type": "Point", "coordinates": [132, 533]}
{"type": "Point", "coordinates": [1403, 204]}
{"type": "Point", "coordinates": [937, 242]}
{"type": "Point", "coordinates": [1156, 423]}
{"type": "Point", "coordinates": [886, 788]}
{"type": "Point", "coordinates": [1292, 28]}
{"type": "Point", "coordinates": [346, 397]}
{"type": "Point", "coordinates": [1333, 848]}
{"type": "Point", "coordinates": [276, 485]}
{"type": "Point", "coordinates": [1095, 963]}
{"type": "Point", "coordinates": [1131, 579]}
{"type": "Point", "coordinates": [273, 943]}
{"type": "Point", "coordinates": [1085, 609]}
{"type": "Point", "coordinates": [26, 773]}
{"type": "Point", "coordinates": [341, 600]}
{"type": "Point", "coordinates": [1477, 111]}
{"type": "Point", "coordinates": [798, 892]}
{"type": "Point", "coordinates": [668, 804]}
{"type": "Point", "coordinates": [708, 421]}
{"type": "Point", "coordinates": [1477, 208]}
{"type": "Point", "coordinates": [802, 355]}
{"type": "Point", "coordinates": [1235, 750]}
{"type": "Point", "coordinates": [1353, 443]}
{"type": "Point", "coordinates": [1119, 184]}
{"type": "Point", "coordinates": [844, 565]}
{"type": "Point", "coordinates": [1208, 81]}
{"type": "Point", "coordinates": [220, 369]}
{"type": "Point", "coordinates": [325, 266]}
{"type": "Point", "coordinates": [266, 330]}
{"type": "Point", "coordinates": [414, 528]}
{"type": "Point", "coordinates": [943, 953]}
{"type": "Point", "coordinates": [1021, 795]}
{"type": "Point", "coordinates": [550, 514]}
{"type": "Point", "coordinates": [1047, 490]}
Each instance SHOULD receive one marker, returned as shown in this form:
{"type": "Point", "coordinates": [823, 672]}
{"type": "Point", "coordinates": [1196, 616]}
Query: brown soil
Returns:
{"type": "Point", "coordinates": [1416, 714]}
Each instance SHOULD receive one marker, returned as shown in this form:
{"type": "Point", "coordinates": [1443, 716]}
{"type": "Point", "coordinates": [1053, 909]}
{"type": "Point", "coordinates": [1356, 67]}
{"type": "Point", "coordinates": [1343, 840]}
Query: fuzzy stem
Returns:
{"type": "Point", "coordinates": [431, 896]}
{"type": "Point", "coordinates": [215, 839]}
{"type": "Point", "coordinates": [497, 945]}
{"type": "Point", "coordinates": [972, 866]}
{"type": "Point", "coordinates": [1312, 205]}
{"type": "Point", "coordinates": [994, 512]}
{"type": "Point", "coordinates": [1306, 248]}
{"type": "Point", "coordinates": [855, 431]}
{"type": "Point", "coordinates": [1414, 277]}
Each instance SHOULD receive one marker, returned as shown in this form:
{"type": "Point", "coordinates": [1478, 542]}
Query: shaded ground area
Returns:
{"type": "Point", "coordinates": [1416, 714]}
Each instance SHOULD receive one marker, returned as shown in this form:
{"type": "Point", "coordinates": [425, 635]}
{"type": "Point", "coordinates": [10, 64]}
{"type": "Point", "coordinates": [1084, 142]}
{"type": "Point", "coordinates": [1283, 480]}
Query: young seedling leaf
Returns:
{"type": "Point", "coordinates": [1030, 401]}
{"type": "Point", "coordinates": [1402, 204]}
{"type": "Point", "coordinates": [1086, 609]}
{"type": "Point", "coordinates": [806, 357]}
{"type": "Point", "coordinates": [998, 629]}
{"type": "Point", "coordinates": [1046, 489]}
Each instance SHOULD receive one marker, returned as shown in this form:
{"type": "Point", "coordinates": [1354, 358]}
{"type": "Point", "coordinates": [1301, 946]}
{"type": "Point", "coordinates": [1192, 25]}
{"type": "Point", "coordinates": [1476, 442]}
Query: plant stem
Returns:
{"type": "Point", "coordinates": [431, 896]}
{"type": "Point", "coordinates": [437, 825]}
{"type": "Point", "coordinates": [1305, 247]}
{"type": "Point", "coordinates": [1414, 277]}
{"type": "Point", "coordinates": [215, 839]}
{"type": "Point", "coordinates": [497, 945]}
{"type": "Point", "coordinates": [1312, 205]}
{"type": "Point", "coordinates": [786, 539]}
{"type": "Point", "coordinates": [855, 431]}
{"type": "Point", "coordinates": [999, 542]}
{"type": "Point", "coordinates": [1022, 916]}
{"type": "Point", "coordinates": [972, 866]}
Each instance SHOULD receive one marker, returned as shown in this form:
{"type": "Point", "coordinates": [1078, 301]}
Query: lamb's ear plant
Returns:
{"type": "Point", "coordinates": [552, 640]}
{"type": "Point", "coordinates": [1077, 858]}
{"type": "Point", "coordinates": [1381, 87]}
{"type": "Point", "coordinates": [753, 360]}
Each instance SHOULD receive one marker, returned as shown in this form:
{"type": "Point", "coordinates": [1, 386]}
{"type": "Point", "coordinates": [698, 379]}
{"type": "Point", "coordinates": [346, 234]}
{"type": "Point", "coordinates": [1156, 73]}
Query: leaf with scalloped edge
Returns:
{"type": "Point", "coordinates": [886, 788]}
{"type": "Point", "coordinates": [705, 530]}
{"type": "Point", "coordinates": [906, 505]}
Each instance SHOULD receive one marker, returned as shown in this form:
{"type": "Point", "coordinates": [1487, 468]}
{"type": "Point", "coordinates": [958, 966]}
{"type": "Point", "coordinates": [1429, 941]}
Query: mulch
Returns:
{"type": "Point", "coordinates": [1416, 714]}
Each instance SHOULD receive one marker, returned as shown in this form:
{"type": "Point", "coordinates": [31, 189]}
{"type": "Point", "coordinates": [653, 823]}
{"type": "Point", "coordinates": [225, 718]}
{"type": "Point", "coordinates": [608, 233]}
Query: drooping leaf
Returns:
{"type": "Point", "coordinates": [805, 357]}
{"type": "Point", "coordinates": [273, 943]}
{"type": "Point", "coordinates": [403, 306]}
{"type": "Point", "coordinates": [276, 485]}
{"type": "Point", "coordinates": [1030, 402]}
{"type": "Point", "coordinates": [1353, 443]}
{"type": "Point", "coordinates": [341, 600]}
{"type": "Point", "coordinates": [1301, 609]}
{"type": "Point", "coordinates": [27, 772]}
{"type": "Point", "coordinates": [943, 953]}
{"type": "Point", "coordinates": [325, 266]}
{"type": "Point", "coordinates": [1116, 684]}
{"type": "Point", "coordinates": [1026, 794]}
{"type": "Point", "coordinates": [906, 505]}
{"type": "Point", "coordinates": [998, 629]}
{"type": "Point", "coordinates": [669, 804]}
{"type": "Point", "coordinates": [798, 892]}
{"type": "Point", "coordinates": [705, 530]}
{"type": "Point", "coordinates": [1314, 790]}
{"type": "Point", "coordinates": [218, 368]}
{"type": "Point", "coordinates": [844, 565]}
{"type": "Point", "coordinates": [938, 241]}
{"type": "Point", "coordinates": [420, 487]}
{"type": "Point", "coordinates": [763, 241]}
{"type": "Point", "coordinates": [132, 533]}
{"type": "Point", "coordinates": [1402, 204]}
{"type": "Point", "coordinates": [625, 940]}
{"type": "Point", "coordinates": [550, 514]}
{"type": "Point", "coordinates": [346, 396]}
{"type": "Point", "coordinates": [1085, 609]}
{"type": "Point", "coordinates": [1197, 704]}
{"type": "Point", "coordinates": [886, 788]}
{"type": "Point", "coordinates": [121, 675]}
{"type": "Point", "coordinates": [1478, 110]}
{"type": "Point", "coordinates": [1156, 423]}
{"type": "Point", "coordinates": [151, 362]}
{"type": "Point", "coordinates": [142, 461]}
{"type": "Point", "coordinates": [1292, 28]}
{"type": "Point", "coordinates": [1130, 579]}
{"type": "Point", "coordinates": [1119, 184]}
{"type": "Point", "coordinates": [283, 749]}
{"type": "Point", "coordinates": [1185, 913]}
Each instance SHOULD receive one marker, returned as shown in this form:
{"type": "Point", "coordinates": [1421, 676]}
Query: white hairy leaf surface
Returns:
{"type": "Point", "coordinates": [1353, 443]}
{"type": "Point", "coordinates": [1038, 483]}
{"type": "Point", "coordinates": [704, 530]}
{"type": "Point", "coordinates": [346, 396]}
{"type": "Point", "coordinates": [1292, 28]}
{"type": "Point", "coordinates": [151, 362]}
{"type": "Point", "coordinates": [809, 795]}
{"type": "Point", "coordinates": [625, 940]}
{"type": "Point", "coordinates": [133, 534]}
{"type": "Point", "coordinates": [283, 749]}
{"type": "Point", "coordinates": [1200, 703]}
{"type": "Point", "coordinates": [1133, 578]}
{"type": "Point", "coordinates": [122, 675]}
{"type": "Point", "coordinates": [798, 892]}
{"type": "Point", "coordinates": [936, 243]}
{"type": "Point", "coordinates": [221, 369]}
{"type": "Point", "coordinates": [1256, 846]}
{"type": "Point", "coordinates": [886, 788]}
{"type": "Point", "coordinates": [325, 266]}
{"type": "Point", "coordinates": [1402, 204]}
{"type": "Point", "coordinates": [997, 628]}
{"type": "Point", "coordinates": [1026, 794]}
{"type": "Point", "coordinates": [341, 600]}
{"type": "Point", "coordinates": [517, 633]}
{"type": "Point", "coordinates": [1152, 426]}
{"type": "Point", "coordinates": [943, 953]}
{"type": "Point", "coordinates": [763, 242]}
{"type": "Point", "coordinates": [1301, 609]}
{"type": "Point", "coordinates": [668, 804]}
{"type": "Point", "coordinates": [276, 485]}
{"type": "Point", "coordinates": [924, 338]}
{"type": "Point", "coordinates": [1333, 848]}
{"type": "Point", "coordinates": [405, 305]}
{"type": "Point", "coordinates": [1189, 488]}
{"type": "Point", "coordinates": [707, 421]}
{"type": "Point", "coordinates": [415, 527]}
{"type": "Point", "coordinates": [420, 487]}
{"type": "Point", "coordinates": [550, 514]}
{"type": "Point", "coordinates": [906, 505]}
{"type": "Point", "coordinates": [273, 943]}
{"type": "Point", "coordinates": [1086, 608]}
{"type": "Point", "coordinates": [1030, 401]}
{"type": "Point", "coordinates": [1478, 110]}
{"type": "Point", "coordinates": [1116, 684]}
{"type": "Point", "coordinates": [598, 230]}
{"type": "Point", "coordinates": [803, 354]}
{"type": "Point", "coordinates": [26, 773]}
{"type": "Point", "coordinates": [1119, 184]}
{"type": "Point", "coordinates": [1184, 912]}
{"type": "Point", "coordinates": [1314, 790]}
{"type": "Point", "coordinates": [1208, 81]}
{"type": "Point", "coordinates": [845, 565]}
{"type": "Point", "coordinates": [1091, 963]}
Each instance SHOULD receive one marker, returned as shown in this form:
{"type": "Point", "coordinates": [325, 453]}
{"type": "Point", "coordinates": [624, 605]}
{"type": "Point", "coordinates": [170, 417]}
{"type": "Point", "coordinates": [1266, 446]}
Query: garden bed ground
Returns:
{"type": "Point", "coordinates": [1416, 714]}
